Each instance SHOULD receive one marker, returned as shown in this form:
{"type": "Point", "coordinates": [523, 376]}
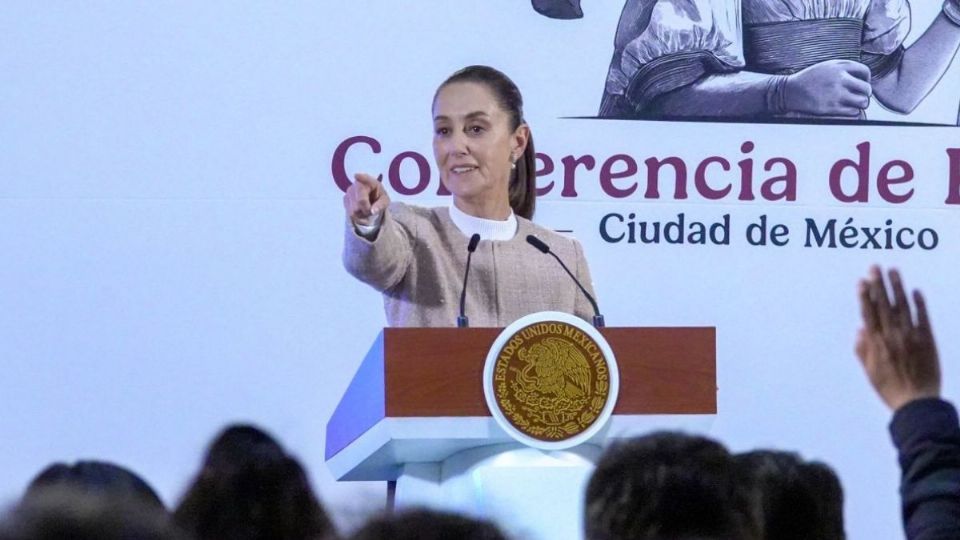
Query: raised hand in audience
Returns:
{"type": "Point", "coordinates": [899, 354]}
{"type": "Point", "coordinates": [897, 350]}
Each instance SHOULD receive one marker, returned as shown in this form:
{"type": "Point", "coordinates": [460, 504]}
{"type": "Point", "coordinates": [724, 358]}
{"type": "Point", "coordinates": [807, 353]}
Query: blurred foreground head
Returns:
{"type": "Point", "coordinates": [425, 524]}
{"type": "Point", "coordinates": [669, 486]}
{"type": "Point", "coordinates": [98, 478]}
{"type": "Point", "coordinates": [799, 500]}
{"type": "Point", "coordinates": [249, 488]}
{"type": "Point", "coordinates": [63, 512]}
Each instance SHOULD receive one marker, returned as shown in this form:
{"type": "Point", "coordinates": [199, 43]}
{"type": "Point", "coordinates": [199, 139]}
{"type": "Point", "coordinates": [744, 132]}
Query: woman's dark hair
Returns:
{"type": "Point", "coordinates": [423, 524]}
{"type": "Point", "coordinates": [98, 478]}
{"type": "Point", "coordinates": [249, 488]}
{"type": "Point", "coordinates": [669, 485]}
{"type": "Point", "coordinates": [70, 510]}
{"type": "Point", "coordinates": [523, 179]}
{"type": "Point", "coordinates": [800, 500]}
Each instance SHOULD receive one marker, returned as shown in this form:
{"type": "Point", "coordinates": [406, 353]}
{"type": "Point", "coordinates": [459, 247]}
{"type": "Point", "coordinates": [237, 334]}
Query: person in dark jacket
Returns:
{"type": "Point", "coordinates": [899, 355]}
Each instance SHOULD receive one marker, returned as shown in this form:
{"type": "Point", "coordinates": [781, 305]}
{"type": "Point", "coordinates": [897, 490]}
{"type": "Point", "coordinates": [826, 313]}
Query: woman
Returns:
{"type": "Point", "coordinates": [780, 58]}
{"type": "Point", "coordinates": [416, 256]}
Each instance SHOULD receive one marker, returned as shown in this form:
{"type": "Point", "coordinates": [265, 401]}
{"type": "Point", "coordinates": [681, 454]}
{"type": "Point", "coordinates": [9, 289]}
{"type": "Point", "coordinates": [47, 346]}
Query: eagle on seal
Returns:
{"type": "Point", "coordinates": [554, 366]}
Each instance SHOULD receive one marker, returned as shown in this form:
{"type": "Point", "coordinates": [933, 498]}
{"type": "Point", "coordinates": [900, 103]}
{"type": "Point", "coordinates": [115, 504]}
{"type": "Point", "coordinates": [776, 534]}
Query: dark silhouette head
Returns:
{"type": "Point", "coordinates": [427, 525]}
{"type": "Point", "coordinates": [799, 500]}
{"type": "Point", "coordinates": [75, 513]}
{"type": "Point", "coordinates": [249, 488]}
{"type": "Point", "coordinates": [669, 486]}
{"type": "Point", "coordinates": [95, 478]}
{"type": "Point", "coordinates": [523, 179]}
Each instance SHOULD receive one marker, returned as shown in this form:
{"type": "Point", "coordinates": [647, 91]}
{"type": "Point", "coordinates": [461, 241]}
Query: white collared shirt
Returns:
{"type": "Point", "coordinates": [488, 229]}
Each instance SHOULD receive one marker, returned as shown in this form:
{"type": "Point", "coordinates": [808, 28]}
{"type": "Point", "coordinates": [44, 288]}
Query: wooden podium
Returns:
{"type": "Point", "coordinates": [415, 410]}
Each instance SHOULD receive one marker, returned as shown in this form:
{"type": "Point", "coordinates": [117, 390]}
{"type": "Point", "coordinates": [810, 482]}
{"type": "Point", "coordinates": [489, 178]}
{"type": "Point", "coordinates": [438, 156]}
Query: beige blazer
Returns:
{"type": "Point", "coordinates": [418, 258]}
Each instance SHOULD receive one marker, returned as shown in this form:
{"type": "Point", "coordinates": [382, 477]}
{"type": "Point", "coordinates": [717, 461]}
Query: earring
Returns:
{"type": "Point", "coordinates": [513, 165]}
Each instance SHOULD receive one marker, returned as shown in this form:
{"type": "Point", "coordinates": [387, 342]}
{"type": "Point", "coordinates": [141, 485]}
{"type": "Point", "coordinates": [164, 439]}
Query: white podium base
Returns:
{"type": "Point", "coordinates": [531, 494]}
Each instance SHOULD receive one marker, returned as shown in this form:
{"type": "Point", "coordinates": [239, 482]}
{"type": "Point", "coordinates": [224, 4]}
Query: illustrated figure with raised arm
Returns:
{"type": "Point", "coordinates": [813, 59]}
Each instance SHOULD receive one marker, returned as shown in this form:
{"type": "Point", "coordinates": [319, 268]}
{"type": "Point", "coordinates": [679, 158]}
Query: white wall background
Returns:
{"type": "Point", "coordinates": [171, 232]}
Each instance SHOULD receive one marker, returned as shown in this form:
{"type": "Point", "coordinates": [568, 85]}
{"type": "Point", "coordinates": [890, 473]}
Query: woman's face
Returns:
{"type": "Point", "coordinates": [473, 143]}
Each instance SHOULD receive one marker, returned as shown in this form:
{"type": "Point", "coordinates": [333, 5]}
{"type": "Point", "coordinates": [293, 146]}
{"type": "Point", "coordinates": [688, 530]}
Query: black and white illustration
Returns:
{"type": "Point", "coordinates": [770, 59]}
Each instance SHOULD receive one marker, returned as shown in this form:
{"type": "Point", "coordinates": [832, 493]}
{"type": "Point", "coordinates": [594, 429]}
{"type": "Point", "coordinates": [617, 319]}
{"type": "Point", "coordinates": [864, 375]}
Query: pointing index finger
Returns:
{"type": "Point", "coordinates": [371, 187]}
{"type": "Point", "coordinates": [368, 180]}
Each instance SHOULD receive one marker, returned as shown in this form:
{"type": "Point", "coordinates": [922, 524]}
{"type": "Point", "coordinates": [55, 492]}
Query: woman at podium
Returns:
{"type": "Point", "coordinates": [417, 256]}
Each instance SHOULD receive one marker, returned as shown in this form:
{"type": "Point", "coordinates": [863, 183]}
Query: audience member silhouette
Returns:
{"type": "Point", "coordinates": [95, 478]}
{"type": "Point", "coordinates": [798, 500]}
{"type": "Point", "coordinates": [899, 355]}
{"type": "Point", "coordinates": [249, 488]}
{"type": "Point", "coordinates": [75, 513]}
{"type": "Point", "coordinates": [669, 486]}
{"type": "Point", "coordinates": [422, 524]}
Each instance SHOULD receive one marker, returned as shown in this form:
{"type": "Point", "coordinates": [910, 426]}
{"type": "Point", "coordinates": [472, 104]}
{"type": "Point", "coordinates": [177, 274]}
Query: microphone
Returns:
{"type": "Point", "coordinates": [462, 320]}
{"type": "Point", "coordinates": [598, 321]}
